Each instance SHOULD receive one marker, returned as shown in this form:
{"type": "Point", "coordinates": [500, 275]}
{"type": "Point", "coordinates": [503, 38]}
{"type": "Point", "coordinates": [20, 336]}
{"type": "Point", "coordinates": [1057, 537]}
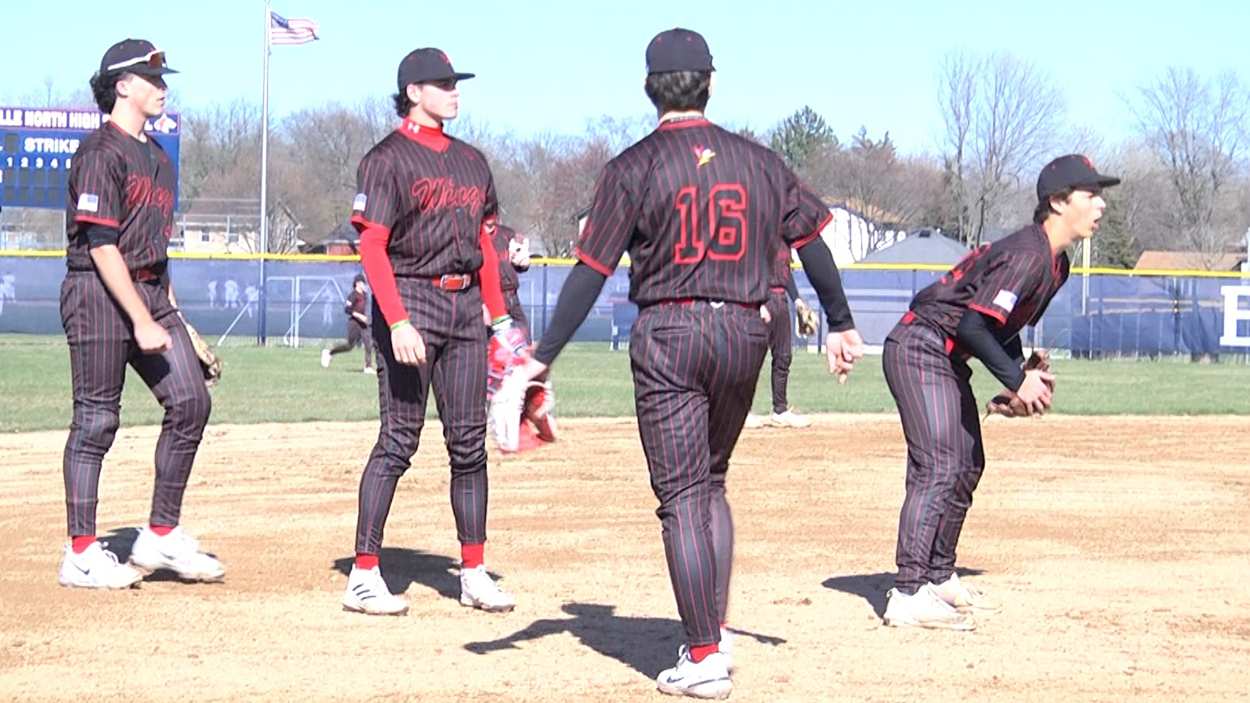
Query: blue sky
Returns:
{"type": "Point", "coordinates": [555, 66]}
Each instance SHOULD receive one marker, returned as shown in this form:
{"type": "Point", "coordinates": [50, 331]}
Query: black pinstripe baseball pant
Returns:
{"type": "Point", "coordinates": [695, 366]}
{"type": "Point", "coordinates": [780, 338]}
{"type": "Point", "coordinates": [945, 456]}
{"type": "Point", "coordinates": [101, 344]}
{"type": "Point", "coordinates": [455, 345]}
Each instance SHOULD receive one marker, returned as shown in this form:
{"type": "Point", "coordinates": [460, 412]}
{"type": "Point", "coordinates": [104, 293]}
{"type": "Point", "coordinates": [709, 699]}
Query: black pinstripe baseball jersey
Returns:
{"type": "Point", "coordinates": [1011, 280]}
{"type": "Point", "coordinates": [120, 182]}
{"type": "Point", "coordinates": [430, 193]}
{"type": "Point", "coordinates": [699, 209]}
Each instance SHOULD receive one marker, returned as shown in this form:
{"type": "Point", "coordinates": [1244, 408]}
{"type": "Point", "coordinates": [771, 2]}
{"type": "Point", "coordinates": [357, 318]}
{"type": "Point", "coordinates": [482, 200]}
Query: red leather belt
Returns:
{"type": "Point", "coordinates": [453, 281]}
{"type": "Point", "coordinates": [144, 274]}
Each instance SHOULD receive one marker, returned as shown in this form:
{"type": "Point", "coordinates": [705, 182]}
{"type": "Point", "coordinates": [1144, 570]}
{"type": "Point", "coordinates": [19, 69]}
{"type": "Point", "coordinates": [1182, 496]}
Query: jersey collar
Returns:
{"type": "Point", "coordinates": [683, 123]}
{"type": "Point", "coordinates": [428, 137]}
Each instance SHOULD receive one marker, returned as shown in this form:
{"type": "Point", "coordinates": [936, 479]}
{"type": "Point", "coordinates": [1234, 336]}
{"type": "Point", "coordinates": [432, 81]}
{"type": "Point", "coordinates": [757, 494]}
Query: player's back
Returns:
{"type": "Point", "coordinates": [710, 207]}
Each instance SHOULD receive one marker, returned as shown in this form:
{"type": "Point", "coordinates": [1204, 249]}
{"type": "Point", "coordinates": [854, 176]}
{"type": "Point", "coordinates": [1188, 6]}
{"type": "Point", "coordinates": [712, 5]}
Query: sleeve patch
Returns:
{"type": "Point", "coordinates": [358, 204]}
{"type": "Point", "coordinates": [1006, 300]}
{"type": "Point", "coordinates": [88, 203]}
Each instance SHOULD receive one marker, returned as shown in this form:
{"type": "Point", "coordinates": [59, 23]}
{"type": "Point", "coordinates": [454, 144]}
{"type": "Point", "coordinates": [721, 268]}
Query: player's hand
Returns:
{"type": "Point", "coordinates": [407, 345]}
{"type": "Point", "coordinates": [765, 315]}
{"type": "Point", "coordinates": [485, 316]}
{"type": "Point", "coordinates": [152, 338]}
{"type": "Point", "coordinates": [842, 350]}
{"type": "Point", "coordinates": [519, 252]}
{"type": "Point", "coordinates": [1036, 392]}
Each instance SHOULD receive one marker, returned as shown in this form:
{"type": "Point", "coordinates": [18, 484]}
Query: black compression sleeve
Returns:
{"type": "Point", "coordinates": [823, 275]}
{"type": "Point", "coordinates": [791, 289]}
{"type": "Point", "coordinates": [975, 337]}
{"type": "Point", "coordinates": [577, 297]}
{"type": "Point", "coordinates": [1015, 349]}
{"type": "Point", "coordinates": [100, 235]}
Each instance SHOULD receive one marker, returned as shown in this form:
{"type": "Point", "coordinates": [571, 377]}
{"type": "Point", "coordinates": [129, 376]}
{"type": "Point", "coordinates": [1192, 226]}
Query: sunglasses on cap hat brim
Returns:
{"type": "Point", "coordinates": [151, 63]}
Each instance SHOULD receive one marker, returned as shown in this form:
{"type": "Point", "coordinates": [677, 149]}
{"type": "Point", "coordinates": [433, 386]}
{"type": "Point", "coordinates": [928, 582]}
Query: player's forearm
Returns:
{"type": "Point", "coordinates": [577, 297]}
{"type": "Point", "coordinates": [1015, 349]}
{"type": "Point", "coordinates": [360, 318]}
{"type": "Point", "coordinates": [116, 276]}
{"type": "Point", "coordinates": [975, 337]}
{"type": "Point", "coordinates": [381, 275]}
{"type": "Point", "coordinates": [822, 273]}
{"type": "Point", "coordinates": [791, 289]}
{"type": "Point", "coordinates": [488, 277]}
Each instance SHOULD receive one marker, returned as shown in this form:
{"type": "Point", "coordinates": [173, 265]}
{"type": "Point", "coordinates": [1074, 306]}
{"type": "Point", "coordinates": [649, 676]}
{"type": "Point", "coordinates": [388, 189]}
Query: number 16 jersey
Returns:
{"type": "Point", "coordinates": [702, 212]}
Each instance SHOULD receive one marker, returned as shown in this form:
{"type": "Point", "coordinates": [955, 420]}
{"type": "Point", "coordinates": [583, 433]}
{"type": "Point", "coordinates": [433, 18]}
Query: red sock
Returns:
{"type": "Point", "coordinates": [699, 653]}
{"type": "Point", "coordinates": [366, 561]}
{"type": "Point", "coordinates": [472, 555]}
{"type": "Point", "coordinates": [161, 530]}
{"type": "Point", "coordinates": [79, 543]}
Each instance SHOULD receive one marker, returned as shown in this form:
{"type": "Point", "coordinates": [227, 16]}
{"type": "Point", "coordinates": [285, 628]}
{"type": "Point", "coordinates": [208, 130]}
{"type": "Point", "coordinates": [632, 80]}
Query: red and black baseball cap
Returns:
{"type": "Point", "coordinates": [1071, 171]}
{"type": "Point", "coordinates": [426, 66]}
{"type": "Point", "coordinates": [135, 56]}
{"type": "Point", "coordinates": [678, 49]}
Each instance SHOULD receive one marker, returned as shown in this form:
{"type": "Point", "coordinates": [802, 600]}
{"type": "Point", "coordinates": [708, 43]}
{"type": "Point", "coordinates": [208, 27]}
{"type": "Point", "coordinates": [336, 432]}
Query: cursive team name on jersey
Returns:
{"type": "Point", "coordinates": [433, 194]}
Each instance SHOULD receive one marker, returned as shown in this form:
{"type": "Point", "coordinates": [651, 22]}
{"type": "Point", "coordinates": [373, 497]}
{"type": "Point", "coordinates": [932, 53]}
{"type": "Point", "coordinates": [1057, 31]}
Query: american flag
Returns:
{"type": "Point", "coordinates": [296, 30]}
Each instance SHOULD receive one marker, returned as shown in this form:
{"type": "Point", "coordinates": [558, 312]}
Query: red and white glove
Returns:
{"type": "Point", "coordinates": [508, 347]}
{"type": "Point", "coordinates": [540, 406]}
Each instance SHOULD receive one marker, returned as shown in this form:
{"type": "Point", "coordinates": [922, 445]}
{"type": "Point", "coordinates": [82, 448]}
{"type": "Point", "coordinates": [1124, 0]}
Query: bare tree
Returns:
{"type": "Point", "coordinates": [1196, 129]}
{"type": "Point", "coordinates": [1001, 115]}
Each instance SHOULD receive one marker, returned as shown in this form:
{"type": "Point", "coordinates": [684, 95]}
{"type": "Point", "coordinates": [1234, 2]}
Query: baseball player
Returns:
{"type": "Point", "coordinates": [702, 212]}
{"type": "Point", "coordinates": [423, 198]}
{"type": "Point", "coordinates": [976, 310]}
{"type": "Point", "coordinates": [356, 307]}
{"type": "Point", "coordinates": [118, 308]}
{"type": "Point", "coordinates": [776, 314]}
{"type": "Point", "coordinates": [513, 250]}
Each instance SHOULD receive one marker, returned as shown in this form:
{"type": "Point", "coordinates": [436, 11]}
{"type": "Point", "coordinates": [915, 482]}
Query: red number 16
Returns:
{"type": "Point", "coordinates": [726, 238]}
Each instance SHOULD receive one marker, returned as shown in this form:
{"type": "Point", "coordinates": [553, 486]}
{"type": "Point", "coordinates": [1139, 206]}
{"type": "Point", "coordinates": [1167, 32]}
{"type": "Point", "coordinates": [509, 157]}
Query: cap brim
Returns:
{"type": "Point", "coordinates": [148, 70]}
{"type": "Point", "coordinates": [463, 76]}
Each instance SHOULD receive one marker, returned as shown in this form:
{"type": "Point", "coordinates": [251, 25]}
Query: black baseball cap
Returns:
{"type": "Point", "coordinates": [678, 49]}
{"type": "Point", "coordinates": [425, 66]}
{"type": "Point", "coordinates": [1071, 171]}
{"type": "Point", "coordinates": [135, 56]}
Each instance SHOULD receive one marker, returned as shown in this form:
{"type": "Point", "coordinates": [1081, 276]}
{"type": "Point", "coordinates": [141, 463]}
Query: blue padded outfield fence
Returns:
{"type": "Point", "coordinates": [1099, 313]}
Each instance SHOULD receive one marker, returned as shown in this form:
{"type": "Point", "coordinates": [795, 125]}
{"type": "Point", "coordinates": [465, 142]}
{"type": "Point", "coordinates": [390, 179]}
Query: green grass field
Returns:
{"type": "Point", "coordinates": [288, 385]}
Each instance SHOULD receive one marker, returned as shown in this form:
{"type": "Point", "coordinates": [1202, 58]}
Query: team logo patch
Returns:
{"type": "Point", "coordinates": [359, 202]}
{"type": "Point", "coordinates": [1006, 300]}
{"type": "Point", "coordinates": [702, 155]}
{"type": "Point", "coordinates": [88, 203]}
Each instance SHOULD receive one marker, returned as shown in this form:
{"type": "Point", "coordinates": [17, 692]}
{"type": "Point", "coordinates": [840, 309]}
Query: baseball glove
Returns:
{"type": "Point", "coordinates": [210, 363]}
{"type": "Point", "coordinates": [805, 319]}
{"type": "Point", "coordinates": [540, 406]}
{"type": "Point", "coordinates": [1010, 406]}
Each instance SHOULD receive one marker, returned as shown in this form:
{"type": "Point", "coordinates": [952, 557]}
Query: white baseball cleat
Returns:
{"type": "Point", "coordinates": [706, 679]}
{"type": "Point", "coordinates": [961, 596]}
{"type": "Point", "coordinates": [178, 552]}
{"type": "Point", "coordinates": [924, 609]}
{"type": "Point", "coordinates": [367, 593]}
{"type": "Point", "coordinates": [789, 418]}
{"type": "Point", "coordinates": [753, 422]}
{"type": "Point", "coordinates": [370, 370]}
{"type": "Point", "coordinates": [726, 647]}
{"type": "Point", "coordinates": [95, 568]}
{"type": "Point", "coordinates": [325, 358]}
{"type": "Point", "coordinates": [479, 590]}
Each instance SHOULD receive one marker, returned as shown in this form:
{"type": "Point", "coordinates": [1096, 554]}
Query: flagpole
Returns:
{"type": "Point", "coordinates": [264, 181]}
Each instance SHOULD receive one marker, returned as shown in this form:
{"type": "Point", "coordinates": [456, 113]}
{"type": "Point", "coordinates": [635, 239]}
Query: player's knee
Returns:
{"type": "Point", "coordinates": [190, 410]}
{"type": "Point", "coordinates": [96, 427]}
{"type": "Point", "coordinates": [465, 461]}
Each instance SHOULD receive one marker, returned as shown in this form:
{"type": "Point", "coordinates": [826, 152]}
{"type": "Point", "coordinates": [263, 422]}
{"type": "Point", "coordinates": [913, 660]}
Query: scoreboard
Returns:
{"type": "Point", "coordinates": [37, 147]}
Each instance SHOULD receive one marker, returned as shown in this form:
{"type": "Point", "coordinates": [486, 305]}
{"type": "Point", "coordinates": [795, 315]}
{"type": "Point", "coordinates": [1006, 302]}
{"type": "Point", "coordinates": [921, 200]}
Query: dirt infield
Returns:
{"type": "Point", "coordinates": [1119, 547]}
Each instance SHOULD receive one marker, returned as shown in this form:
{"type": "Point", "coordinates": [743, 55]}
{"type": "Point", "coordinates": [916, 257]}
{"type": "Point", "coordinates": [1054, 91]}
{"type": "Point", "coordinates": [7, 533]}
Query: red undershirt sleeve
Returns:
{"type": "Point", "coordinates": [488, 275]}
{"type": "Point", "coordinates": [381, 274]}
